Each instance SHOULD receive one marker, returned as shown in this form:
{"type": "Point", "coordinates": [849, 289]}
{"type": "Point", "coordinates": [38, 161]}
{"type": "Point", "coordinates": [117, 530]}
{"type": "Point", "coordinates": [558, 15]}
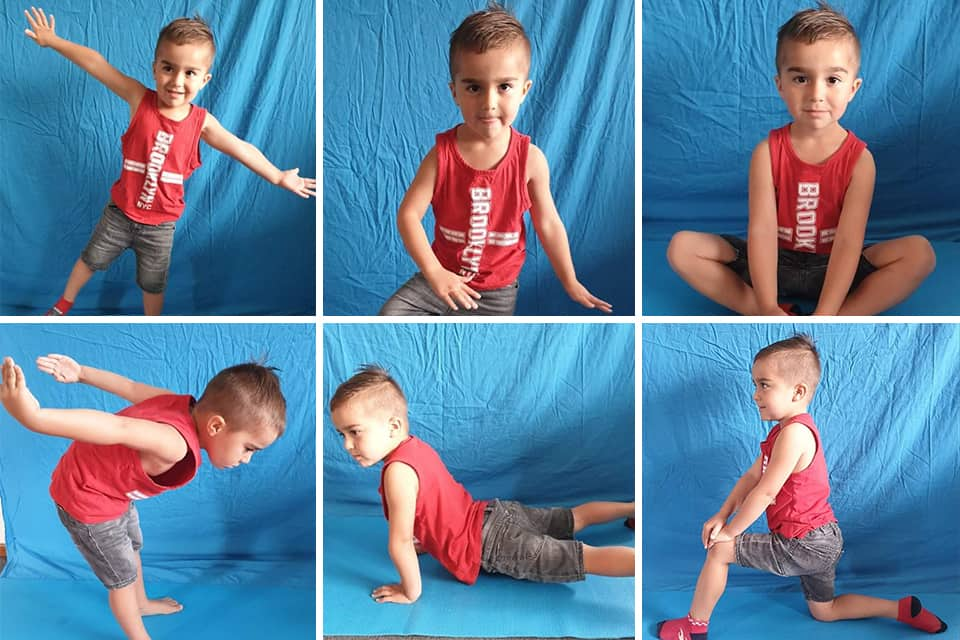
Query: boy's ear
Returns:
{"type": "Point", "coordinates": [396, 424]}
{"type": "Point", "coordinates": [856, 87]}
{"type": "Point", "coordinates": [215, 424]}
{"type": "Point", "coordinates": [453, 91]}
{"type": "Point", "coordinates": [526, 87]}
{"type": "Point", "coordinates": [776, 81]}
{"type": "Point", "coordinates": [799, 392]}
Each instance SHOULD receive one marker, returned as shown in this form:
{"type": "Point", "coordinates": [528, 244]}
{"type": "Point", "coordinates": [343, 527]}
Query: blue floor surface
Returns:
{"type": "Point", "coordinates": [356, 561]}
{"type": "Point", "coordinates": [61, 609]}
{"type": "Point", "coordinates": [746, 614]}
{"type": "Point", "coordinates": [665, 294]}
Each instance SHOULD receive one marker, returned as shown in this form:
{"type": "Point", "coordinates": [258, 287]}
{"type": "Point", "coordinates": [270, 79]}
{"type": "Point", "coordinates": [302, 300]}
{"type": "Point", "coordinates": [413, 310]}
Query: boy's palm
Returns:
{"type": "Point", "coordinates": [303, 187]}
{"type": "Point", "coordinates": [452, 289]}
{"type": "Point", "coordinates": [14, 394]}
{"type": "Point", "coordinates": [62, 368]}
{"type": "Point", "coordinates": [41, 30]}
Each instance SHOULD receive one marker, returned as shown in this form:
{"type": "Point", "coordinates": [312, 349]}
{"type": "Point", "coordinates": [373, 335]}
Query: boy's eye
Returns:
{"type": "Point", "coordinates": [506, 87]}
{"type": "Point", "coordinates": [834, 80]}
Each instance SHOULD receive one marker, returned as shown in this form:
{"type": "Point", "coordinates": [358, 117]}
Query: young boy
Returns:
{"type": "Point", "coordinates": [428, 510]}
{"type": "Point", "coordinates": [788, 480]}
{"type": "Point", "coordinates": [811, 183]}
{"type": "Point", "coordinates": [480, 177]}
{"type": "Point", "coordinates": [142, 451]}
{"type": "Point", "coordinates": [161, 148]}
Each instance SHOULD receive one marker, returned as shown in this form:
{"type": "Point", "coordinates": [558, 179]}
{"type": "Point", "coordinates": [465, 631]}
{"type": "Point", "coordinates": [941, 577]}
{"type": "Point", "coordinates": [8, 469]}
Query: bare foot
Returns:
{"type": "Point", "coordinates": [160, 607]}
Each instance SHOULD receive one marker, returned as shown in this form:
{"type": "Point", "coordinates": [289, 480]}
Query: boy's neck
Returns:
{"type": "Point", "coordinates": [479, 152]}
{"type": "Point", "coordinates": [793, 414]}
{"type": "Point", "coordinates": [177, 114]}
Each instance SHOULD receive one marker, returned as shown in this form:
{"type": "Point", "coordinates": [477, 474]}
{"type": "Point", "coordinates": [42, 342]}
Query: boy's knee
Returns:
{"type": "Point", "coordinates": [822, 611]}
{"type": "Point", "coordinates": [680, 248]}
{"type": "Point", "coordinates": [722, 552]}
{"type": "Point", "coordinates": [922, 254]}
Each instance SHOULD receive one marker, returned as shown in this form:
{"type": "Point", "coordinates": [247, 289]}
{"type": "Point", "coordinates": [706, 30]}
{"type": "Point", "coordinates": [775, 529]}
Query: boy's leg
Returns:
{"type": "Point", "coordinates": [158, 606]}
{"type": "Point", "coordinates": [609, 561]}
{"type": "Point", "coordinates": [710, 586]}
{"type": "Point", "coordinates": [590, 513]}
{"type": "Point", "coordinates": [701, 259]}
{"type": "Point", "coordinates": [902, 264]}
{"type": "Point", "coordinates": [79, 276]}
{"type": "Point", "coordinates": [152, 304]}
{"type": "Point", "coordinates": [123, 604]}
{"type": "Point", "coordinates": [853, 606]}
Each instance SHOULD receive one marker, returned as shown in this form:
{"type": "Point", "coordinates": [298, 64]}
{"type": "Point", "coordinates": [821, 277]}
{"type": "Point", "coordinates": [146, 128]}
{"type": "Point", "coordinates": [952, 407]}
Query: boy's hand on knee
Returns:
{"type": "Point", "coordinates": [62, 368]}
{"type": "Point", "coordinates": [718, 537]}
{"type": "Point", "coordinates": [303, 187]}
{"type": "Point", "coordinates": [711, 528]}
{"type": "Point", "coordinates": [391, 593]}
{"type": "Point", "coordinates": [14, 394]}
{"type": "Point", "coordinates": [452, 289]}
{"type": "Point", "coordinates": [41, 30]}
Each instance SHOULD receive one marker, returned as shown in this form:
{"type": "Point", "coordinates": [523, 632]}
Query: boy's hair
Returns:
{"type": "Point", "coordinates": [492, 28]}
{"type": "Point", "coordinates": [244, 391]}
{"type": "Point", "coordinates": [797, 359]}
{"type": "Point", "coordinates": [187, 31]}
{"type": "Point", "coordinates": [374, 381]}
{"type": "Point", "coordinates": [811, 25]}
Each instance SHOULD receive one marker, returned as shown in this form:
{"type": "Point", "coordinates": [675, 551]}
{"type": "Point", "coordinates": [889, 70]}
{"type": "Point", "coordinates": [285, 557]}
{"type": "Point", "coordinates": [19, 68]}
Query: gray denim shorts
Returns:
{"type": "Point", "coordinates": [530, 543]}
{"type": "Point", "coordinates": [109, 547]}
{"type": "Point", "coordinates": [152, 245]}
{"type": "Point", "coordinates": [813, 557]}
{"type": "Point", "coordinates": [799, 274]}
{"type": "Point", "coordinates": [416, 298]}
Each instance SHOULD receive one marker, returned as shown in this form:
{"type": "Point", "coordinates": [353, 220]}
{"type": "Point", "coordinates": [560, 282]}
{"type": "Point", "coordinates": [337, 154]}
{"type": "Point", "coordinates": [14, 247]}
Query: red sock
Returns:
{"type": "Point", "coordinates": [911, 612]}
{"type": "Point", "coordinates": [63, 306]}
{"type": "Point", "coordinates": [686, 628]}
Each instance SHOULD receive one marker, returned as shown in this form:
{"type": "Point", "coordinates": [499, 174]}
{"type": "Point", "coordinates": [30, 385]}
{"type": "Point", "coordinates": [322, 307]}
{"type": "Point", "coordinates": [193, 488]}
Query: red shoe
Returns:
{"type": "Point", "coordinates": [682, 629]}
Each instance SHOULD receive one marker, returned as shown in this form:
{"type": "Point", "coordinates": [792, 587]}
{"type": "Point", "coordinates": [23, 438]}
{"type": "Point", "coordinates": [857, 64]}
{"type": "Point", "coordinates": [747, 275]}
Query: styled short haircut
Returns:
{"type": "Point", "coordinates": [492, 28]}
{"type": "Point", "coordinates": [246, 392]}
{"type": "Point", "coordinates": [375, 383]}
{"type": "Point", "coordinates": [187, 31]}
{"type": "Point", "coordinates": [796, 359]}
{"type": "Point", "coordinates": [811, 25]}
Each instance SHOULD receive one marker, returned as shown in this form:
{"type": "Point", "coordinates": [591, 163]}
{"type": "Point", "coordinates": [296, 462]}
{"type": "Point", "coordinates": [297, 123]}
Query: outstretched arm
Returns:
{"type": "Point", "coordinates": [400, 487]}
{"type": "Point", "coordinates": [450, 287]}
{"type": "Point", "coordinates": [552, 233]}
{"type": "Point", "coordinates": [66, 369]}
{"type": "Point", "coordinates": [215, 135]}
{"type": "Point", "coordinates": [84, 425]}
{"type": "Point", "coordinates": [42, 31]}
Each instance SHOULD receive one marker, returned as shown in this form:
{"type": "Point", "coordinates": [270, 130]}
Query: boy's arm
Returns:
{"type": "Point", "coordinates": [161, 441]}
{"type": "Point", "coordinates": [552, 234]}
{"type": "Point", "coordinates": [66, 369]}
{"type": "Point", "coordinates": [450, 287]}
{"type": "Point", "coordinates": [848, 243]}
{"type": "Point", "coordinates": [400, 487]}
{"type": "Point", "coordinates": [762, 232]}
{"type": "Point", "coordinates": [793, 441]}
{"type": "Point", "coordinates": [42, 32]}
{"type": "Point", "coordinates": [215, 135]}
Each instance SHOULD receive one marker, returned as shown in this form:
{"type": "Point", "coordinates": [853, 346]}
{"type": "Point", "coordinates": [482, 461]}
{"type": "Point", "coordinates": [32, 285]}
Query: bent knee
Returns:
{"type": "Point", "coordinates": [923, 255]}
{"type": "Point", "coordinates": [724, 552]}
{"type": "Point", "coordinates": [681, 248]}
{"type": "Point", "coordinates": [822, 611]}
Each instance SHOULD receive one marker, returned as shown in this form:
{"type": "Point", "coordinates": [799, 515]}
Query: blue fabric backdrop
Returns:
{"type": "Point", "coordinates": [889, 415]}
{"type": "Point", "coordinates": [242, 246]}
{"type": "Point", "coordinates": [709, 98]}
{"type": "Point", "coordinates": [386, 97]}
{"type": "Point", "coordinates": [254, 525]}
{"type": "Point", "coordinates": [543, 414]}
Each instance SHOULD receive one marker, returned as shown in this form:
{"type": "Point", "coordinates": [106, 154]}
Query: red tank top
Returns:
{"type": "Point", "coordinates": [810, 196]}
{"type": "Point", "coordinates": [479, 213]}
{"type": "Point", "coordinates": [158, 155]}
{"type": "Point", "coordinates": [801, 506]}
{"type": "Point", "coordinates": [95, 483]}
{"type": "Point", "coordinates": [448, 520]}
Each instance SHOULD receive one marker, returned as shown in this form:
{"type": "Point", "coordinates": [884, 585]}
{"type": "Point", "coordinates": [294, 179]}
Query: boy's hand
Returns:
{"type": "Point", "coordinates": [16, 398]}
{"type": "Point", "coordinates": [303, 187]}
{"type": "Point", "coordinates": [718, 537]}
{"type": "Point", "coordinates": [41, 31]}
{"type": "Point", "coordinates": [62, 368]}
{"type": "Point", "coordinates": [711, 528]}
{"type": "Point", "coordinates": [578, 293]}
{"type": "Point", "coordinates": [452, 288]}
{"type": "Point", "coordinates": [391, 593]}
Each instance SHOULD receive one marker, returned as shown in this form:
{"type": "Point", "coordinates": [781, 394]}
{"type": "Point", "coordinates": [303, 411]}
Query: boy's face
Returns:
{"type": "Point", "coordinates": [776, 398]}
{"type": "Point", "coordinates": [817, 81]}
{"type": "Point", "coordinates": [369, 432]}
{"type": "Point", "coordinates": [231, 446]}
{"type": "Point", "coordinates": [180, 71]}
{"type": "Point", "coordinates": [489, 88]}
